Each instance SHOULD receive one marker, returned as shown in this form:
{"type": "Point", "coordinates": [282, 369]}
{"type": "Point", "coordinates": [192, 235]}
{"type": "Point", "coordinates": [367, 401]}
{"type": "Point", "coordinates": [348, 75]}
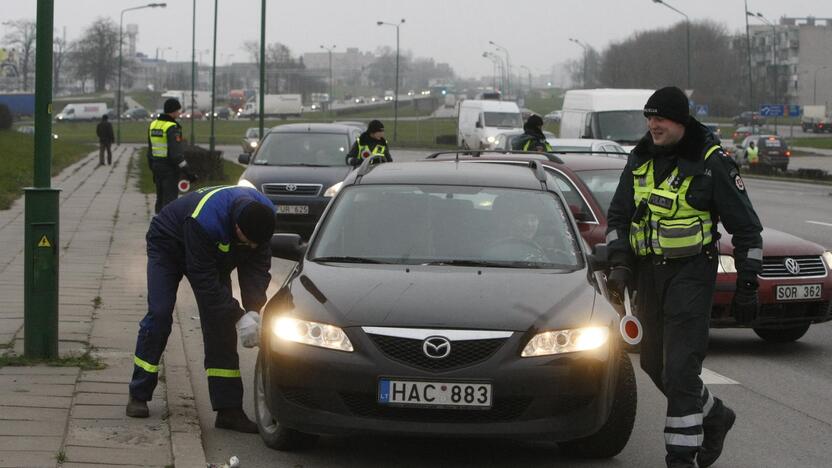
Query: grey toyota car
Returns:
{"type": "Point", "coordinates": [444, 298]}
{"type": "Point", "coordinates": [298, 167]}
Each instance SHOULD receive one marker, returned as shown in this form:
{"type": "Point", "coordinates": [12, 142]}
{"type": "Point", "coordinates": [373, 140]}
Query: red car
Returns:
{"type": "Point", "coordinates": [795, 285]}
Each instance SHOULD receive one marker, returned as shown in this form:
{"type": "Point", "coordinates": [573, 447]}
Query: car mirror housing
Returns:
{"type": "Point", "coordinates": [478, 124]}
{"type": "Point", "coordinates": [288, 247]}
{"type": "Point", "coordinates": [599, 258]}
{"type": "Point", "coordinates": [243, 158]}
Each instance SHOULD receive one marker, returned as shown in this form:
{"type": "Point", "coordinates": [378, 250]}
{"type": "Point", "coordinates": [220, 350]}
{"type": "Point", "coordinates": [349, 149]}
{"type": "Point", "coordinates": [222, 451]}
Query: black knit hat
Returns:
{"type": "Point", "coordinates": [172, 105]}
{"type": "Point", "coordinates": [256, 221]}
{"type": "Point", "coordinates": [534, 121]}
{"type": "Point", "coordinates": [375, 126]}
{"type": "Point", "coordinates": [669, 102]}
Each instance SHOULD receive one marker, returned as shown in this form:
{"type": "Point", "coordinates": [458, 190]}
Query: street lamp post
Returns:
{"type": "Point", "coordinates": [500, 68]}
{"type": "Point", "coordinates": [750, 70]}
{"type": "Point", "coordinates": [687, 29]}
{"type": "Point", "coordinates": [583, 73]}
{"type": "Point", "coordinates": [262, 116]}
{"type": "Point", "coordinates": [396, 91]}
{"type": "Point", "coordinates": [212, 139]}
{"type": "Point", "coordinates": [529, 71]}
{"type": "Point", "coordinates": [508, 65]}
{"type": "Point", "coordinates": [330, 100]}
{"type": "Point", "coordinates": [773, 56]}
{"type": "Point", "coordinates": [120, 47]}
{"type": "Point", "coordinates": [193, 73]}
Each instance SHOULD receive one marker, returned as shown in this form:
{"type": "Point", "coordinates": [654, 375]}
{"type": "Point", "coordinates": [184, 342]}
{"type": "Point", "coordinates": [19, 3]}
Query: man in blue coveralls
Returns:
{"type": "Point", "coordinates": [204, 236]}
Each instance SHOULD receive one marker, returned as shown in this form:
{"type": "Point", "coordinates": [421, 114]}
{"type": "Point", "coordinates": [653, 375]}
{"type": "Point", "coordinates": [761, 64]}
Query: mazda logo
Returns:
{"type": "Point", "coordinates": [436, 347]}
{"type": "Point", "coordinates": [792, 266]}
{"type": "Point", "coordinates": [291, 187]}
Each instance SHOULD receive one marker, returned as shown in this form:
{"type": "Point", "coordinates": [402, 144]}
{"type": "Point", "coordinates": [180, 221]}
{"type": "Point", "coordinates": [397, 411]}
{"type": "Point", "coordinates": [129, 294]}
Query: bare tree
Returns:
{"type": "Point", "coordinates": [96, 53]}
{"type": "Point", "coordinates": [22, 37]}
{"type": "Point", "coordinates": [59, 57]}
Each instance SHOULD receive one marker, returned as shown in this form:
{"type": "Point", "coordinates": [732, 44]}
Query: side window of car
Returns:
{"type": "Point", "coordinates": [576, 202]}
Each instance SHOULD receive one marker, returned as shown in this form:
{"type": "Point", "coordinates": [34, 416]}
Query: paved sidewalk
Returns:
{"type": "Point", "coordinates": [67, 416]}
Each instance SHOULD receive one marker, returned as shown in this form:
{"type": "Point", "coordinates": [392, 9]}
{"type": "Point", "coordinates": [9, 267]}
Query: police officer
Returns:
{"type": "Point", "coordinates": [166, 155]}
{"type": "Point", "coordinates": [532, 138]}
{"type": "Point", "coordinates": [752, 154]}
{"type": "Point", "coordinates": [370, 143]}
{"type": "Point", "coordinates": [677, 185]}
{"type": "Point", "coordinates": [204, 236]}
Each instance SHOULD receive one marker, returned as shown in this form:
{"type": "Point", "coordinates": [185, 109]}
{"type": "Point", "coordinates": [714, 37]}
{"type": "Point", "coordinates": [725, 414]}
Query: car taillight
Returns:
{"type": "Point", "coordinates": [735, 135]}
{"type": "Point", "coordinates": [788, 154]}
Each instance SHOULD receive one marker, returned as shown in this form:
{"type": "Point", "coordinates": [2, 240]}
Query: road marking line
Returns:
{"type": "Point", "coordinates": [710, 377]}
{"type": "Point", "coordinates": [820, 223]}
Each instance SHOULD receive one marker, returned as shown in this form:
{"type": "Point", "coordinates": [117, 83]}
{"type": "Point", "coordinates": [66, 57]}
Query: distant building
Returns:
{"type": "Point", "coordinates": [345, 64]}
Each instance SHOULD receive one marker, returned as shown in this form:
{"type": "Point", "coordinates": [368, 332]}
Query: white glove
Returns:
{"type": "Point", "coordinates": [248, 328]}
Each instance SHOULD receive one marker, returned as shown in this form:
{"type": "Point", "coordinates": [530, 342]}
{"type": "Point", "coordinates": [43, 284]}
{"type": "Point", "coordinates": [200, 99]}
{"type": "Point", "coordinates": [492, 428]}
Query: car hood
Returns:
{"type": "Point", "coordinates": [440, 297]}
{"type": "Point", "coordinates": [326, 176]}
{"type": "Point", "coordinates": [775, 244]}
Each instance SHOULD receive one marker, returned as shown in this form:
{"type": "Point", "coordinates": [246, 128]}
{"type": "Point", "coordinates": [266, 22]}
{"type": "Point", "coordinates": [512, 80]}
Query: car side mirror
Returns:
{"type": "Point", "coordinates": [288, 247]}
{"type": "Point", "coordinates": [244, 158]}
{"type": "Point", "coordinates": [599, 258]}
{"type": "Point", "coordinates": [478, 124]}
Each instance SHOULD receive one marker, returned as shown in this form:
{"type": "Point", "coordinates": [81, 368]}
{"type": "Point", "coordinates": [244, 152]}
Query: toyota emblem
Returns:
{"type": "Point", "coordinates": [792, 266]}
{"type": "Point", "coordinates": [291, 187]}
{"type": "Point", "coordinates": [436, 347]}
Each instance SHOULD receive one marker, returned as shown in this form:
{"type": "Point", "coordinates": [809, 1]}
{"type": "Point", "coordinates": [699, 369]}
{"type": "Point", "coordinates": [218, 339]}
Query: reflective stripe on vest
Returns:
{"type": "Point", "coordinates": [670, 226]}
{"type": "Point", "coordinates": [158, 133]}
{"type": "Point", "coordinates": [364, 151]}
{"type": "Point", "coordinates": [546, 146]}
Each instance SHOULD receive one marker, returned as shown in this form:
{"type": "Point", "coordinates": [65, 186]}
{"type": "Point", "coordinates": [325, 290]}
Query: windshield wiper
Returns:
{"type": "Point", "coordinates": [307, 165]}
{"type": "Point", "coordinates": [474, 263]}
{"type": "Point", "coordinates": [346, 259]}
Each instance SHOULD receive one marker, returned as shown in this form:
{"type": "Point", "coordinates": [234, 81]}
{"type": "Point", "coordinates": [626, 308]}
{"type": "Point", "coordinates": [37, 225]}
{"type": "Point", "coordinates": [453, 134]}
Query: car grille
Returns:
{"type": "Point", "coordinates": [503, 409]}
{"type": "Point", "coordinates": [309, 190]}
{"type": "Point", "coordinates": [775, 267]}
{"type": "Point", "coordinates": [463, 352]}
{"type": "Point", "coordinates": [301, 397]}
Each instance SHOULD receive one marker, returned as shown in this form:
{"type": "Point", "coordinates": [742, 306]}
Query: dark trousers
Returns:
{"type": "Point", "coordinates": [102, 147]}
{"type": "Point", "coordinates": [165, 269]}
{"type": "Point", "coordinates": [674, 307]}
{"type": "Point", "coordinates": [167, 189]}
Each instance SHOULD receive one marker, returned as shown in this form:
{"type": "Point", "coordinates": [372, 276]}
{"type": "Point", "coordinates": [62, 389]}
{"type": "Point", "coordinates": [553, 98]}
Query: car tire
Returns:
{"type": "Point", "coordinates": [613, 436]}
{"type": "Point", "coordinates": [782, 335]}
{"type": "Point", "coordinates": [273, 434]}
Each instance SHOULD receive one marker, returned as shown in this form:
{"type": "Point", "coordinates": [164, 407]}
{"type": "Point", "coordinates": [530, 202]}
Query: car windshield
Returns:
{"type": "Point", "coordinates": [448, 225]}
{"type": "Point", "coordinates": [503, 119]}
{"type": "Point", "coordinates": [622, 126]}
{"type": "Point", "coordinates": [303, 149]}
{"type": "Point", "coordinates": [602, 183]}
{"type": "Point", "coordinates": [253, 133]}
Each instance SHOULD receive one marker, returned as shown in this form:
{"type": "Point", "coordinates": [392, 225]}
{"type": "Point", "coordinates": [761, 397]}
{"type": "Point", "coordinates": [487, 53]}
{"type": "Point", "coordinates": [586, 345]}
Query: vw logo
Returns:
{"type": "Point", "coordinates": [436, 347]}
{"type": "Point", "coordinates": [792, 266]}
{"type": "Point", "coordinates": [291, 187]}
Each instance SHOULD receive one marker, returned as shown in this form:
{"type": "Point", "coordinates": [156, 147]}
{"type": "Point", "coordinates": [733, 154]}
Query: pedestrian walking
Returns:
{"type": "Point", "coordinates": [662, 236]}
{"type": "Point", "coordinates": [204, 236]}
{"type": "Point", "coordinates": [104, 131]}
{"type": "Point", "coordinates": [370, 143]}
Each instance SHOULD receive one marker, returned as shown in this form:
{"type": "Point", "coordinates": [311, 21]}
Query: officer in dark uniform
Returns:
{"type": "Point", "coordinates": [532, 138]}
{"type": "Point", "coordinates": [370, 143]}
{"type": "Point", "coordinates": [204, 236]}
{"type": "Point", "coordinates": [166, 154]}
{"type": "Point", "coordinates": [676, 187]}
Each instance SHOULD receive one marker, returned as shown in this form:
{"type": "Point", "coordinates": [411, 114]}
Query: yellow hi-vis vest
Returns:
{"type": "Point", "coordinates": [753, 155]}
{"type": "Point", "coordinates": [158, 132]}
{"type": "Point", "coordinates": [546, 148]}
{"type": "Point", "coordinates": [665, 224]}
{"type": "Point", "coordinates": [364, 151]}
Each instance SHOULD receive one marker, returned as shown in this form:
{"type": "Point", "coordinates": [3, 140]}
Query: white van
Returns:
{"type": "Point", "coordinates": [479, 122]}
{"type": "Point", "coordinates": [605, 114]}
{"type": "Point", "coordinates": [83, 111]}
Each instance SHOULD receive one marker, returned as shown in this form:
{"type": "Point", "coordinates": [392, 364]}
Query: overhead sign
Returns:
{"type": "Point", "coordinates": [772, 110]}
{"type": "Point", "coordinates": [701, 110]}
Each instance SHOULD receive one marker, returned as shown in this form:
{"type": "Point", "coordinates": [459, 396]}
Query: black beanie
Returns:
{"type": "Point", "coordinates": [172, 105]}
{"type": "Point", "coordinates": [375, 126]}
{"type": "Point", "coordinates": [669, 102]}
{"type": "Point", "coordinates": [256, 221]}
{"type": "Point", "coordinates": [534, 121]}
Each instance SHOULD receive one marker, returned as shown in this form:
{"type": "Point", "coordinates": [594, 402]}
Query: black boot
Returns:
{"type": "Point", "coordinates": [716, 427]}
{"type": "Point", "coordinates": [137, 408]}
{"type": "Point", "coordinates": [234, 419]}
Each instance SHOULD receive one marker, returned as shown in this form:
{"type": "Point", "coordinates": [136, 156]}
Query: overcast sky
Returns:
{"type": "Point", "coordinates": [535, 32]}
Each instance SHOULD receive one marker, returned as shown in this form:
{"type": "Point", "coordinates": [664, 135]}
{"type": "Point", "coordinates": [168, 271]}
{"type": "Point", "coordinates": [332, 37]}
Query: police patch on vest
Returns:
{"type": "Point", "coordinates": [739, 183]}
{"type": "Point", "coordinates": [660, 201]}
{"type": "Point", "coordinates": [156, 132]}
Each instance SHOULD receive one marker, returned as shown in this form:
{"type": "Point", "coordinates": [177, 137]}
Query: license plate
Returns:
{"type": "Point", "coordinates": [434, 394]}
{"type": "Point", "coordinates": [798, 292]}
{"type": "Point", "coordinates": [293, 209]}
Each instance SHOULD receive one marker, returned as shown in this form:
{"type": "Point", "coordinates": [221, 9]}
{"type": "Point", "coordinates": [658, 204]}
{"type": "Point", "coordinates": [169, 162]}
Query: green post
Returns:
{"type": "Point", "coordinates": [40, 272]}
{"type": "Point", "coordinates": [193, 74]}
{"type": "Point", "coordinates": [262, 61]}
{"type": "Point", "coordinates": [212, 139]}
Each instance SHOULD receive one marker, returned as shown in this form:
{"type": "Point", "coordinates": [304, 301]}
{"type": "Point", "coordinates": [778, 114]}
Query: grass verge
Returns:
{"type": "Point", "coordinates": [821, 142]}
{"type": "Point", "coordinates": [144, 179]}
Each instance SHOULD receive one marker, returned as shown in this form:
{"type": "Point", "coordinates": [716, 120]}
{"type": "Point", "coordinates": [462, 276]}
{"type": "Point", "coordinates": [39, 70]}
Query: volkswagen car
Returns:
{"type": "Point", "coordinates": [444, 299]}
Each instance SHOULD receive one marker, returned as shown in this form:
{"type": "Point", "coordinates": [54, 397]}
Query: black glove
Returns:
{"type": "Point", "coordinates": [618, 279]}
{"type": "Point", "coordinates": [745, 305]}
{"type": "Point", "coordinates": [189, 175]}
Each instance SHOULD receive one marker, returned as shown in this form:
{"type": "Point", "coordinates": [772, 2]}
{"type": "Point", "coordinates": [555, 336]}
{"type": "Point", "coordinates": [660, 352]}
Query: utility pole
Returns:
{"type": "Point", "coordinates": [212, 143]}
{"type": "Point", "coordinates": [396, 98]}
{"type": "Point", "coordinates": [329, 51]}
{"type": "Point", "coordinates": [750, 70]}
{"type": "Point", "coordinates": [262, 65]}
{"type": "Point", "coordinates": [193, 74]}
{"type": "Point", "coordinates": [584, 47]}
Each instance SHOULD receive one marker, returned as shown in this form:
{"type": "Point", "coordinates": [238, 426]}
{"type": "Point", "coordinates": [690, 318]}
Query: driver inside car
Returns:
{"type": "Point", "coordinates": [519, 243]}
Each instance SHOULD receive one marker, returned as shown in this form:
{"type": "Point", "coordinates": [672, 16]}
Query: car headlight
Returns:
{"type": "Point", "coordinates": [726, 264]}
{"type": "Point", "coordinates": [245, 183]}
{"type": "Point", "coordinates": [491, 139]}
{"type": "Point", "coordinates": [311, 333]}
{"type": "Point", "coordinates": [827, 257]}
{"type": "Point", "coordinates": [332, 191]}
{"type": "Point", "coordinates": [253, 144]}
{"type": "Point", "coordinates": [566, 341]}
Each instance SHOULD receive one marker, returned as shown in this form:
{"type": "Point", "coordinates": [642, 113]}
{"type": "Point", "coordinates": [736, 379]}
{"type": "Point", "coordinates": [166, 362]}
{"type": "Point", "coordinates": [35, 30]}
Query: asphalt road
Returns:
{"type": "Point", "coordinates": [781, 393]}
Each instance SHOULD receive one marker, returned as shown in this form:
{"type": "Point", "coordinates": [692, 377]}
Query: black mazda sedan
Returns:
{"type": "Point", "coordinates": [444, 298]}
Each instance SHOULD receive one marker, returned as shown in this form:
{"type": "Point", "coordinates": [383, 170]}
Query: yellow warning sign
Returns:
{"type": "Point", "coordinates": [44, 242]}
